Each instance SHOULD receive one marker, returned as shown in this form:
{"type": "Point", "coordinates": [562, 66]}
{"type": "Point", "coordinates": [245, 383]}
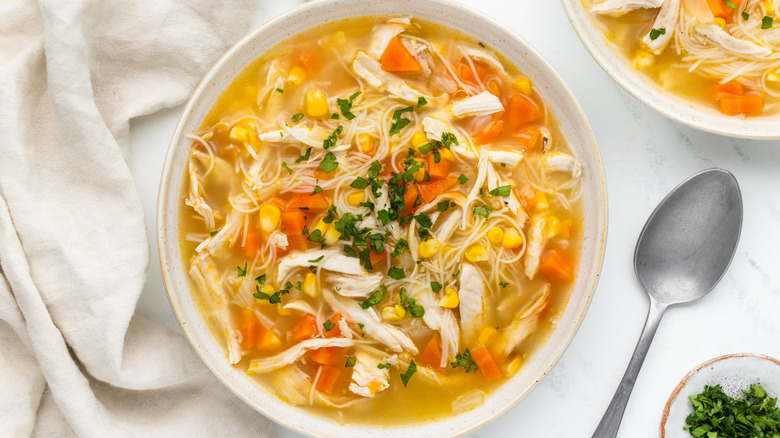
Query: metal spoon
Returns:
{"type": "Point", "coordinates": [683, 251]}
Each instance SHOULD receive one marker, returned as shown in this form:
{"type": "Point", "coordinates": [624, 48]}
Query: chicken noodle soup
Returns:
{"type": "Point", "coordinates": [724, 53]}
{"type": "Point", "coordinates": [381, 221]}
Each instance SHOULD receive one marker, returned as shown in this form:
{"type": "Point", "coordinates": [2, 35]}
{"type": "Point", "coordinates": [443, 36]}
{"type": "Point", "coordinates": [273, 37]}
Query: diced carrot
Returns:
{"type": "Point", "coordinates": [410, 196]}
{"type": "Point", "coordinates": [305, 329]}
{"type": "Point", "coordinates": [249, 328]}
{"type": "Point", "coordinates": [396, 58]}
{"type": "Point", "coordinates": [376, 258]}
{"type": "Point", "coordinates": [438, 170]}
{"type": "Point", "coordinates": [308, 58]}
{"type": "Point", "coordinates": [251, 243]}
{"type": "Point", "coordinates": [431, 354]}
{"type": "Point", "coordinates": [485, 362]}
{"type": "Point", "coordinates": [466, 73]}
{"type": "Point", "coordinates": [268, 340]}
{"type": "Point", "coordinates": [522, 110]}
{"type": "Point", "coordinates": [305, 201]}
{"type": "Point", "coordinates": [328, 377]}
{"type": "Point", "coordinates": [334, 332]}
{"type": "Point", "coordinates": [730, 88]}
{"type": "Point", "coordinates": [531, 138]}
{"type": "Point", "coordinates": [555, 264]}
{"type": "Point", "coordinates": [293, 223]}
{"type": "Point", "coordinates": [321, 175]}
{"type": "Point", "coordinates": [527, 197]}
{"type": "Point", "coordinates": [431, 190]}
{"type": "Point", "coordinates": [489, 133]}
{"type": "Point", "coordinates": [494, 87]}
{"type": "Point", "coordinates": [327, 355]}
{"type": "Point", "coordinates": [749, 103]}
{"type": "Point", "coordinates": [719, 8]}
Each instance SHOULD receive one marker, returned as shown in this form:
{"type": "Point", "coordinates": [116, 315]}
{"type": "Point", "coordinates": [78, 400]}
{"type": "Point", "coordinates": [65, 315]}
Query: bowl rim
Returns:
{"type": "Point", "coordinates": [678, 108]}
{"type": "Point", "coordinates": [601, 211]}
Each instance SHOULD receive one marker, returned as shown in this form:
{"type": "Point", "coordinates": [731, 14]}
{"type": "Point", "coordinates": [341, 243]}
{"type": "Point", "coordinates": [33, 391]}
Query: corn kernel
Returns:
{"type": "Point", "coordinates": [269, 217]}
{"type": "Point", "coordinates": [331, 235]}
{"type": "Point", "coordinates": [720, 22]}
{"type": "Point", "coordinates": [450, 300]}
{"type": "Point", "coordinates": [496, 235]}
{"type": "Point", "coordinates": [240, 134]}
{"type": "Point", "coordinates": [446, 154]}
{"type": "Point", "coordinates": [419, 174]}
{"type": "Point", "coordinates": [310, 284]}
{"type": "Point", "coordinates": [541, 201]}
{"type": "Point", "coordinates": [284, 312]}
{"type": "Point", "coordinates": [365, 143]}
{"type": "Point", "coordinates": [429, 248]}
{"type": "Point", "coordinates": [316, 103]}
{"type": "Point", "coordinates": [297, 75]}
{"type": "Point", "coordinates": [419, 139]}
{"type": "Point", "coordinates": [523, 84]}
{"type": "Point", "coordinates": [486, 335]}
{"type": "Point", "coordinates": [393, 313]}
{"type": "Point", "coordinates": [772, 77]}
{"type": "Point", "coordinates": [554, 227]}
{"type": "Point", "coordinates": [643, 59]}
{"type": "Point", "coordinates": [512, 239]}
{"type": "Point", "coordinates": [356, 198]}
{"type": "Point", "coordinates": [477, 253]}
{"type": "Point", "coordinates": [267, 290]}
{"type": "Point", "coordinates": [513, 365]}
{"type": "Point", "coordinates": [322, 226]}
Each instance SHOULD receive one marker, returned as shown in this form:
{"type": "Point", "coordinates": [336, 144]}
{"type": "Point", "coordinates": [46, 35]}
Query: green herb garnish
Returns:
{"type": "Point", "coordinates": [766, 22]}
{"type": "Point", "coordinates": [316, 190]}
{"type": "Point", "coordinates": [396, 273]}
{"type": "Point", "coordinates": [375, 298]}
{"type": "Point", "coordinates": [464, 361]}
{"type": "Point", "coordinates": [463, 179]}
{"type": "Point", "coordinates": [501, 191]}
{"type": "Point", "coordinates": [329, 163]}
{"type": "Point", "coordinates": [297, 117]}
{"type": "Point", "coordinates": [421, 101]}
{"type": "Point", "coordinates": [332, 138]}
{"type": "Point", "coordinates": [716, 415]}
{"type": "Point", "coordinates": [287, 168]}
{"type": "Point", "coordinates": [305, 156]}
{"type": "Point", "coordinates": [399, 122]}
{"type": "Point", "coordinates": [409, 373]}
{"type": "Point", "coordinates": [483, 210]}
{"type": "Point", "coordinates": [241, 271]}
{"type": "Point", "coordinates": [655, 33]}
{"type": "Point", "coordinates": [359, 183]}
{"type": "Point", "coordinates": [436, 286]}
{"type": "Point", "coordinates": [346, 105]}
{"type": "Point", "coordinates": [328, 325]}
{"type": "Point", "coordinates": [260, 279]}
{"type": "Point", "coordinates": [350, 362]}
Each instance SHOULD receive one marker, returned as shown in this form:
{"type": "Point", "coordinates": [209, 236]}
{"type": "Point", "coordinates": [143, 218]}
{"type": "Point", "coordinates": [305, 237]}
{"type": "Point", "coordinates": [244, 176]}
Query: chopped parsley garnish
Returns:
{"type": "Point", "coordinates": [716, 415]}
{"type": "Point", "coordinates": [463, 179]}
{"type": "Point", "coordinates": [331, 214]}
{"type": "Point", "coordinates": [423, 220]}
{"type": "Point", "coordinates": [448, 139]}
{"type": "Point", "coordinates": [346, 105]}
{"type": "Point", "coordinates": [316, 236]}
{"type": "Point", "coordinates": [260, 279]}
{"type": "Point", "coordinates": [275, 297]}
{"type": "Point", "coordinates": [745, 15]}
{"type": "Point", "coordinates": [421, 101]}
{"type": "Point", "coordinates": [399, 122]}
{"type": "Point", "coordinates": [328, 325]}
{"type": "Point", "coordinates": [409, 373]}
{"type": "Point", "coordinates": [501, 191]}
{"type": "Point", "coordinates": [317, 259]}
{"type": "Point", "coordinates": [655, 33]}
{"type": "Point", "coordinates": [465, 361]}
{"type": "Point", "coordinates": [287, 168]}
{"type": "Point", "coordinates": [334, 116]}
{"type": "Point", "coordinates": [241, 271]}
{"type": "Point", "coordinates": [383, 366]}
{"type": "Point", "coordinates": [400, 247]}
{"type": "Point", "coordinates": [483, 210]}
{"type": "Point", "coordinates": [442, 206]}
{"type": "Point", "coordinates": [766, 22]}
{"type": "Point", "coordinates": [375, 297]}
{"type": "Point", "coordinates": [213, 233]}
{"type": "Point", "coordinates": [297, 117]}
{"type": "Point", "coordinates": [350, 362]}
{"type": "Point", "coordinates": [329, 163]}
{"type": "Point", "coordinates": [396, 273]}
{"type": "Point", "coordinates": [503, 284]}
{"type": "Point", "coordinates": [316, 190]}
{"type": "Point", "coordinates": [359, 183]}
{"type": "Point", "coordinates": [413, 310]}
{"type": "Point", "coordinates": [331, 140]}
{"type": "Point", "coordinates": [361, 325]}
{"type": "Point", "coordinates": [436, 286]}
{"type": "Point", "coordinates": [730, 4]}
{"type": "Point", "coordinates": [280, 91]}
{"type": "Point", "coordinates": [305, 156]}
{"type": "Point", "coordinates": [305, 231]}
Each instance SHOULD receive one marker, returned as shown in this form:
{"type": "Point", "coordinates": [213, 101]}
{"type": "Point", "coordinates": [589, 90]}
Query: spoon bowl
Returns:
{"type": "Point", "coordinates": [682, 253]}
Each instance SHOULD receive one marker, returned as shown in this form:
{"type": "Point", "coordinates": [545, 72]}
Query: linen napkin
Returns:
{"type": "Point", "coordinates": [74, 360]}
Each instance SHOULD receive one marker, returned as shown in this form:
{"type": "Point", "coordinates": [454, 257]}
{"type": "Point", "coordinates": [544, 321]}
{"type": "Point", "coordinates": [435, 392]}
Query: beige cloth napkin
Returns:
{"type": "Point", "coordinates": [74, 360]}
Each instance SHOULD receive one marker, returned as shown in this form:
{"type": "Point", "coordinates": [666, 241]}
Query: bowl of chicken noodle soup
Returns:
{"type": "Point", "coordinates": [710, 64]}
{"type": "Point", "coordinates": [383, 217]}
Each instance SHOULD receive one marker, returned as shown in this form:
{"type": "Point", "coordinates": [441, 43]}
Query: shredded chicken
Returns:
{"type": "Point", "coordinates": [523, 324]}
{"type": "Point", "coordinates": [562, 162]}
{"type": "Point", "coordinates": [617, 8]}
{"type": "Point", "coordinates": [367, 378]}
{"type": "Point", "coordinates": [720, 38]}
{"type": "Point", "coordinates": [472, 301]}
{"type": "Point", "coordinates": [292, 354]}
{"type": "Point", "coordinates": [483, 104]}
{"type": "Point", "coordinates": [666, 20]}
{"type": "Point", "coordinates": [536, 242]}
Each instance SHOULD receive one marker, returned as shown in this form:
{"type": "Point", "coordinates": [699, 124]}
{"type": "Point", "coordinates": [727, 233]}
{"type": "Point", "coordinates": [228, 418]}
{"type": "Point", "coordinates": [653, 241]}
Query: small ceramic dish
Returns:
{"type": "Point", "coordinates": [734, 373]}
{"type": "Point", "coordinates": [648, 91]}
{"type": "Point", "coordinates": [551, 89]}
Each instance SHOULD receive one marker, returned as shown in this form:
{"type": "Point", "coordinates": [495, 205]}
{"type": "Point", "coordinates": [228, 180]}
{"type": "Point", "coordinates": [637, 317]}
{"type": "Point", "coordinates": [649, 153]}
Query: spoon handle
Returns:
{"type": "Point", "coordinates": [610, 422]}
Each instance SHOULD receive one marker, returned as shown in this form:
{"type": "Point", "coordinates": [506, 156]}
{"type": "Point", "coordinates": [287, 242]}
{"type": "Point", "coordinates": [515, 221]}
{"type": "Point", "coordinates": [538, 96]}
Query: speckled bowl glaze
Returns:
{"type": "Point", "coordinates": [552, 90]}
{"type": "Point", "coordinates": [734, 373]}
{"type": "Point", "coordinates": [641, 86]}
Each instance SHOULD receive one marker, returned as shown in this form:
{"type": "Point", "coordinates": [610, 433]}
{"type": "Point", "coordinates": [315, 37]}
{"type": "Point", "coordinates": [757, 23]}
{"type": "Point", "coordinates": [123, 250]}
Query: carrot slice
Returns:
{"type": "Point", "coordinates": [293, 223]}
{"type": "Point", "coordinates": [252, 243]}
{"type": "Point", "coordinates": [308, 202]}
{"type": "Point", "coordinates": [410, 196]}
{"type": "Point", "coordinates": [749, 103]}
{"type": "Point", "coordinates": [376, 258]}
{"type": "Point", "coordinates": [433, 189]}
{"type": "Point", "coordinates": [327, 355]}
{"type": "Point", "coordinates": [522, 110]}
{"type": "Point", "coordinates": [719, 8]}
{"type": "Point", "coordinates": [249, 328]}
{"type": "Point", "coordinates": [305, 329]}
{"type": "Point", "coordinates": [329, 376]}
{"type": "Point", "coordinates": [555, 264]}
{"type": "Point", "coordinates": [731, 88]}
{"type": "Point", "coordinates": [486, 363]}
{"type": "Point", "coordinates": [268, 341]}
{"type": "Point", "coordinates": [527, 197]}
{"type": "Point", "coordinates": [335, 331]}
{"type": "Point", "coordinates": [396, 58]}
{"type": "Point", "coordinates": [431, 354]}
{"type": "Point", "coordinates": [489, 133]}
{"type": "Point", "coordinates": [438, 170]}
{"type": "Point", "coordinates": [531, 138]}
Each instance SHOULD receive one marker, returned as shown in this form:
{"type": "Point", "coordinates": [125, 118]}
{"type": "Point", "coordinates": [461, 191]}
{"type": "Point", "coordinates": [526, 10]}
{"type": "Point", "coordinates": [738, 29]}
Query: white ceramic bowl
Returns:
{"type": "Point", "coordinates": [641, 86]}
{"type": "Point", "coordinates": [552, 91]}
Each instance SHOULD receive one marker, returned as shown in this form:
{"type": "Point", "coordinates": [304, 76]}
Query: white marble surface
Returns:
{"type": "Point", "coordinates": [644, 155]}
